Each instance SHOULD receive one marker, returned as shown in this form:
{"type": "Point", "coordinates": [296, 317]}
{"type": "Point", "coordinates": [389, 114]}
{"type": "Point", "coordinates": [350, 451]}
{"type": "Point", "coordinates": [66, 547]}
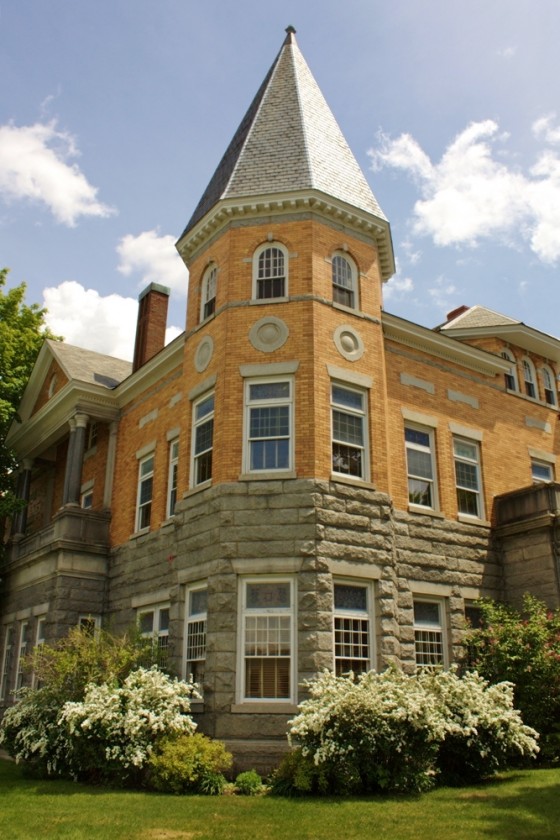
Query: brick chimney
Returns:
{"type": "Point", "coordinates": [456, 312]}
{"type": "Point", "coordinates": [151, 324]}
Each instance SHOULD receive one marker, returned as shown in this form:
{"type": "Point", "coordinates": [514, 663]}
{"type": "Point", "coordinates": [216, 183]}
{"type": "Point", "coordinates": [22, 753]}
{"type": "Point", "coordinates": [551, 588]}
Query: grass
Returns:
{"type": "Point", "coordinates": [519, 805]}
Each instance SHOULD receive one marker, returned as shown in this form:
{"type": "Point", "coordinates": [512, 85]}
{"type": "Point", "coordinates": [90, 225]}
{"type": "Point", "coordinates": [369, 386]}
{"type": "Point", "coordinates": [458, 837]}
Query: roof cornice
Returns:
{"type": "Point", "coordinates": [276, 205]}
{"type": "Point", "coordinates": [518, 334]}
{"type": "Point", "coordinates": [151, 372]}
{"type": "Point", "coordinates": [442, 346]}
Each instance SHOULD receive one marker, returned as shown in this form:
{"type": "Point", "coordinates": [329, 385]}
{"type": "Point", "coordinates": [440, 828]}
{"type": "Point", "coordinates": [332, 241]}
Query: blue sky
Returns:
{"type": "Point", "coordinates": [114, 114]}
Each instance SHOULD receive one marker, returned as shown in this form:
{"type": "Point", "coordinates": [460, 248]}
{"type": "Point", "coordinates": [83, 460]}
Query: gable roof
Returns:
{"type": "Point", "coordinates": [477, 316]}
{"type": "Point", "coordinates": [88, 366]}
{"type": "Point", "coordinates": [289, 142]}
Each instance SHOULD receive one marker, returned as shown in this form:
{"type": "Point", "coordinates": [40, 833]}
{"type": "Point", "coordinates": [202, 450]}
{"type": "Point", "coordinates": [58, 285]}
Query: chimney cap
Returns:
{"type": "Point", "coordinates": [456, 312]}
{"type": "Point", "coordinates": [154, 287]}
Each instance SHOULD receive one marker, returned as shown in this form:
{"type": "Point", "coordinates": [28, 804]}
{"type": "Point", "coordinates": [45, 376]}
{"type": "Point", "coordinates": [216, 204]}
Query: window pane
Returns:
{"type": "Point", "coordinates": [205, 407]}
{"type": "Point", "coordinates": [146, 622]}
{"type": "Point", "coordinates": [464, 449]}
{"type": "Point", "coordinates": [146, 466]}
{"type": "Point", "coordinates": [419, 463]}
{"type": "Point", "coordinates": [268, 595]}
{"type": "Point", "coordinates": [348, 597]}
{"type": "Point", "coordinates": [417, 436]}
{"type": "Point", "coordinates": [467, 502]}
{"type": "Point", "coordinates": [420, 492]}
{"type": "Point", "coordinates": [269, 391]}
{"type": "Point", "coordinates": [203, 436]}
{"type": "Point", "coordinates": [350, 399]}
{"type": "Point", "coordinates": [347, 427]}
{"type": "Point", "coordinates": [198, 601]}
{"type": "Point", "coordinates": [426, 612]}
{"type": "Point", "coordinates": [273, 421]}
{"type": "Point", "coordinates": [467, 475]}
{"type": "Point", "coordinates": [347, 460]}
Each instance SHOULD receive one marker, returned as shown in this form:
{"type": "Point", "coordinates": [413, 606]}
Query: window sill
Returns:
{"type": "Point", "coordinates": [141, 533]}
{"type": "Point", "coordinates": [426, 511]}
{"type": "Point", "coordinates": [261, 301]}
{"type": "Point", "coordinates": [197, 488]}
{"type": "Point", "coordinates": [258, 707]}
{"type": "Point", "coordinates": [352, 310]}
{"type": "Point", "coordinates": [472, 520]}
{"type": "Point", "coordinates": [341, 478]}
{"type": "Point", "coordinates": [268, 475]}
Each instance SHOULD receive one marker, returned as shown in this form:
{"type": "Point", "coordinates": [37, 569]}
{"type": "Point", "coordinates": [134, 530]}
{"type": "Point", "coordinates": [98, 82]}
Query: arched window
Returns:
{"type": "Point", "coordinates": [549, 381]}
{"type": "Point", "coordinates": [344, 281]}
{"type": "Point", "coordinates": [530, 378]}
{"type": "Point", "coordinates": [270, 272]}
{"type": "Point", "coordinates": [511, 375]}
{"type": "Point", "coordinates": [208, 297]}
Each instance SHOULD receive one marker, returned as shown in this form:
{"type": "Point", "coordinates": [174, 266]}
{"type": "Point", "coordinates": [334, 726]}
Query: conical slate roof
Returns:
{"type": "Point", "coordinates": [288, 141]}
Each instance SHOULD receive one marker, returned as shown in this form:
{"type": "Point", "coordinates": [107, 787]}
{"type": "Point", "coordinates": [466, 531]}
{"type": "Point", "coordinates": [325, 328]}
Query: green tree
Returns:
{"type": "Point", "coordinates": [22, 332]}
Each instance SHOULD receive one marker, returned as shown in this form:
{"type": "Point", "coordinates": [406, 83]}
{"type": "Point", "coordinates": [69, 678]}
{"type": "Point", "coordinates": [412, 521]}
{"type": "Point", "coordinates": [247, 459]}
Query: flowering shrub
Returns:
{"type": "Point", "coordinates": [193, 764]}
{"type": "Point", "coordinates": [522, 647]}
{"type": "Point", "coordinates": [109, 735]}
{"type": "Point", "coordinates": [392, 732]}
{"type": "Point", "coordinates": [116, 728]}
{"type": "Point", "coordinates": [483, 732]}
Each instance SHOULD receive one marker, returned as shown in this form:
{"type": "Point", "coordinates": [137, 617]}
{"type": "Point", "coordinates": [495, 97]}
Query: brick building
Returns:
{"type": "Point", "coordinates": [301, 480]}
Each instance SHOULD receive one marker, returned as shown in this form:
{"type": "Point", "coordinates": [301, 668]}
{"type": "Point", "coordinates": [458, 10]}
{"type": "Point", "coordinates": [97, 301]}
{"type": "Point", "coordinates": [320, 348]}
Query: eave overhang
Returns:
{"type": "Point", "coordinates": [275, 206]}
{"type": "Point", "coordinates": [518, 334]}
{"type": "Point", "coordinates": [443, 347]}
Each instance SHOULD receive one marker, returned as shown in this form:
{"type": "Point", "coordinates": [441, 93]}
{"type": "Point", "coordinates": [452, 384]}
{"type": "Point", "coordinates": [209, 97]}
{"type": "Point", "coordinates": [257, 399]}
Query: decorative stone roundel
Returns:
{"type": "Point", "coordinates": [204, 353]}
{"type": "Point", "coordinates": [348, 342]}
{"type": "Point", "coordinates": [268, 334]}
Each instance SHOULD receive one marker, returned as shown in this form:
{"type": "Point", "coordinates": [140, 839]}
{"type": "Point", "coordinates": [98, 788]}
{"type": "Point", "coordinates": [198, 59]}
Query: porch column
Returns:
{"type": "Point", "coordinates": [74, 461]}
{"type": "Point", "coordinates": [23, 491]}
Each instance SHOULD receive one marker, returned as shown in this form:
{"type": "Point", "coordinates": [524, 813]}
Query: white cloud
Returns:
{"type": "Point", "coordinates": [442, 294]}
{"type": "Point", "coordinates": [86, 319]}
{"type": "Point", "coordinates": [35, 165]}
{"type": "Point", "coordinates": [398, 287]}
{"type": "Point", "coordinates": [155, 258]}
{"type": "Point", "coordinates": [507, 52]}
{"type": "Point", "coordinates": [543, 129]}
{"type": "Point", "coordinates": [470, 195]}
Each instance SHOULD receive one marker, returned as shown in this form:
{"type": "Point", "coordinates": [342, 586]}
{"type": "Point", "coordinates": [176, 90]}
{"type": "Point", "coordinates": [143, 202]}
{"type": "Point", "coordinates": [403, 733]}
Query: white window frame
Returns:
{"type": "Point", "coordinates": [258, 626]}
{"type": "Point", "coordinates": [39, 641]}
{"type": "Point", "coordinates": [7, 656]}
{"type": "Point", "coordinates": [208, 292]}
{"type": "Point", "coordinates": [254, 403]}
{"type": "Point", "coordinates": [158, 634]}
{"type": "Point", "coordinates": [344, 278]}
{"type": "Point", "coordinates": [428, 449]}
{"type": "Point", "coordinates": [530, 379]}
{"type": "Point", "coordinates": [22, 652]}
{"type": "Point", "coordinates": [92, 434]}
{"type": "Point", "coordinates": [461, 488]}
{"type": "Point", "coordinates": [196, 624]}
{"type": "Point", "coordinates": [353, 630]}
{"type": "Point", "coordinates": [339, 462]}
{"type": "Point", "coordinates": [172, 472]}
{"type": "Point", "coordinates": [145, 478]}
{"type": "Point", "coordinates": [91, 623]}
{"type": "Point", "coordinates": [511, 376]}
{"type": "Point", "coordinates": [542, 472]}
{"type": "Point", "coordinates": [430, 637]}
{"type": "Point", "coordinates": [202, 420]}
{"type": "Point", "coordinates": [263, 274]}
{"type": "Point", "coordinates": [549, 385]}
{"type": "Point", "coordinates": [86, 499]}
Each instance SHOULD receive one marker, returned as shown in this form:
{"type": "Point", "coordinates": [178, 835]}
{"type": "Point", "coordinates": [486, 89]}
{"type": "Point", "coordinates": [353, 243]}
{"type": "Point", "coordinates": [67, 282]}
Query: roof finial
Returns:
{"type": "Point", "coordinates": [290, 33]}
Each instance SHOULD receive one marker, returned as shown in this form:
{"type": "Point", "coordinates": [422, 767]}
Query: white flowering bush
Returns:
{"type": "Point", "coordinates": [483, 731]}
{"type": "Point", "coordinates": [30, 733]}
{"type": "Point", "coordinates": [393, 732]}
{"type": "Point", "coordinates": [116, 728]}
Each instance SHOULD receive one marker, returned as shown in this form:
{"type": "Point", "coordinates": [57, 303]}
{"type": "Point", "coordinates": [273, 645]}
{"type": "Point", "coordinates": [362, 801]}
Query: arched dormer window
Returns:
{"type": "Point", "coordinates": [270, 272]}
{"type": "Point", "coordinates": [344, 281]}
{"type": "Point", "coordinates": [511, 375]}
{"type": "Point", "coordinates": [530, 378]}
{"type": "Point", "coordinates": [208, 297]}
{"type": "Point", "coordinates": [549, 382]}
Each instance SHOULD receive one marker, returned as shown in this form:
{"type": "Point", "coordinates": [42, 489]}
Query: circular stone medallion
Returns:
{"type": "Point", "coordinates": [348, 342]}
{"type": "Point", "coordinates": [268, 334]}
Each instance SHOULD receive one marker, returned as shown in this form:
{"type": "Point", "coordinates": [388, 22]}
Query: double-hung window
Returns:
{"type": "Point", "coordinates": [348, 431]}
{"type": "Point", "coordinates": [420, 462]}
{"type": "Point", "coordinates": [172, 470]}
{"type": "Point", "coordinates": [195, 633]}
{"type": "Point", "coordinates": [39, 641]}
{"type": "Point", "coordinates": [343, 281]}
{"type": "Point", "coordinates": [468, 482]}
{"type": "Point", "coordinates": [145, 492]}
{"type": "Point", "coordinates": [153, 623]}
{"type": "Point", "coordinates": [209, 282]}
{"type": "Point", "coordinates": [352, 628]}
{"type": "Point", "coordinates": [7, 656]}
{"type": "Point", "coordinates": [549, 382]}
{"type": "Point", "coordinates": [270, 272]}
{"type": "Point", "coordinates": [511, 375]}
{"type": "Point", "coordinates": [541, 471]}
{"type": "Point", "coordinates": [203, 439]}
{"type": "Point", "coordinates": [22, 651]}
{"type": "Point", "coordinates": [530, 378]}
{"type": "Point", "coordinates": [429, 637]}
{"type": "Point", "coordinates": [267, 642]}
{"type": "Point", "coordinates": [269, 425]}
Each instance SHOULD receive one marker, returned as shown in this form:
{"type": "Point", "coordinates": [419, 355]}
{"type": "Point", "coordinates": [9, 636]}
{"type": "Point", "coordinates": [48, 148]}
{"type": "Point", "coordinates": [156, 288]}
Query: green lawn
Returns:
{"type": "Point", "coordinates": [520, 805]}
